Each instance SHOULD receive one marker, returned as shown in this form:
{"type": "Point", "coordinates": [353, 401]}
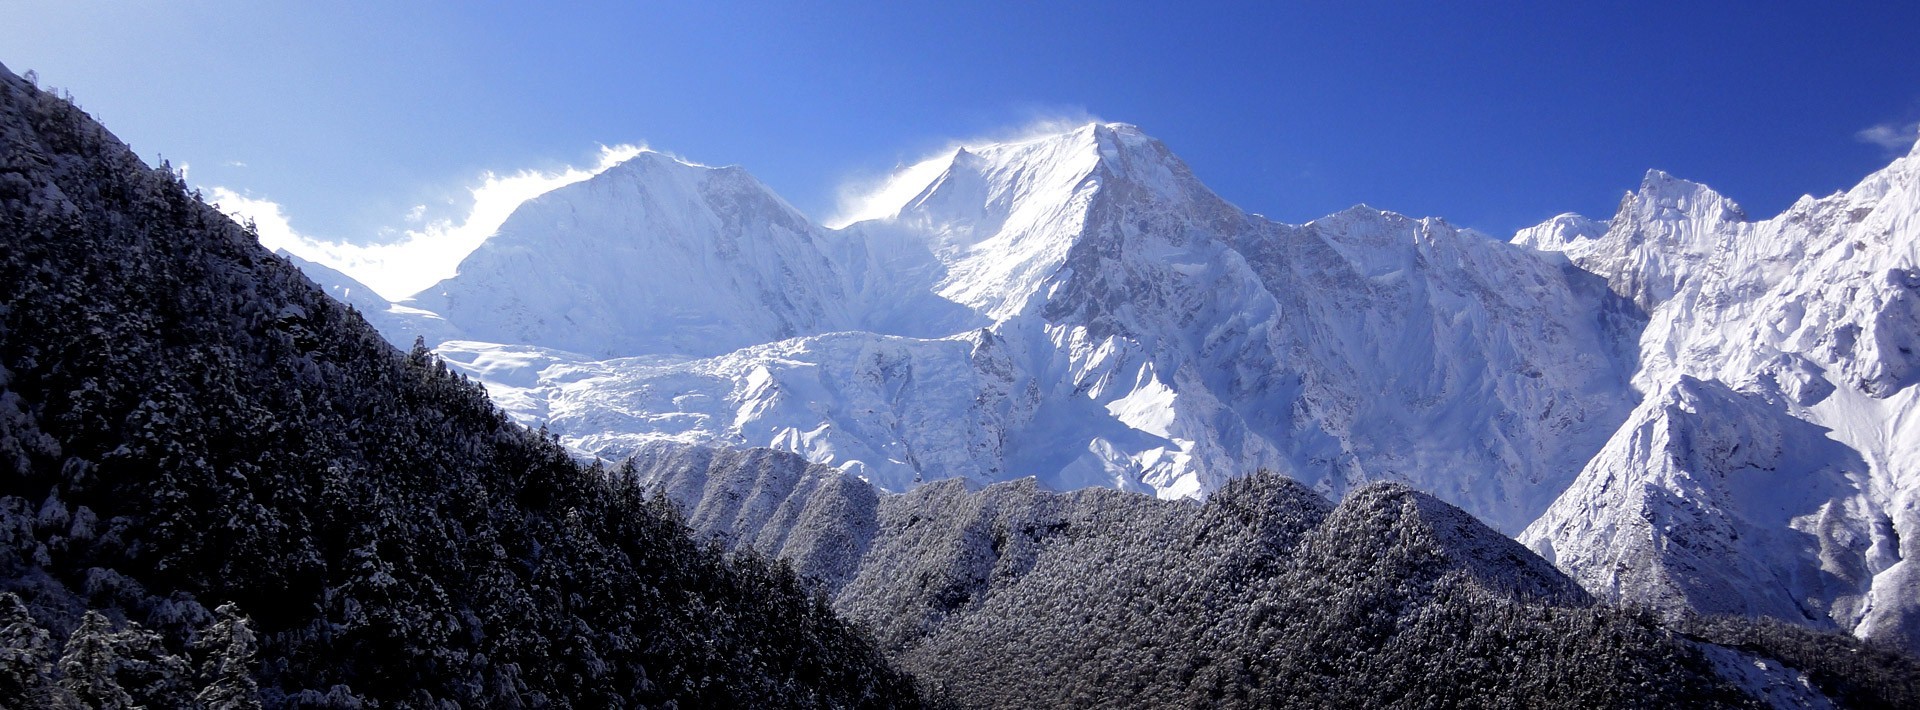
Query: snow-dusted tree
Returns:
{"type": "Point", "coordinates": [226, 651]}
{"type": "Point", "coordinates": [127, 668]}
{"type": "Point", "coordinates": [155, 676]}
{"type": "Point", "coordinates": [90, 663]}
{"type": "Point", "coordinates": [26, 660]}
{"type": "Point", "coordinates": [184, 416]}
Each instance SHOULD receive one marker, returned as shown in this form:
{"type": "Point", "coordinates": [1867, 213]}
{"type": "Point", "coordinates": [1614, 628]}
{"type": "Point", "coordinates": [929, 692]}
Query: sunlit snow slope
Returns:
{"type": "Point", "coordinates": [1075, 307]}
{"type": "Point", "coordinates": [654, 255]}
{"type": "Point", "coordinates": [1772, 467]}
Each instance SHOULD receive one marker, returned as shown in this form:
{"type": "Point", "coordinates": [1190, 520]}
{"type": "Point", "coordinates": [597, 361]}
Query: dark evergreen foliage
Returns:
{"type": "Point", "coordinates": [187, 422]}
{"type": "Point", "coordinates": [1855, 673]}
{"type": "Point", "coordinates": [1265, 596]}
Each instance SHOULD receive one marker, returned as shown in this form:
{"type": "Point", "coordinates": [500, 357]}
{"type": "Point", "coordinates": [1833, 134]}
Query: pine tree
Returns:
{"type": "Point", "coordinates": [155, 677]}
{"type": "Point", "coordinates": [26, 660]}
{"type": "Point", "coordinates": [226, 652]}
{"type": "Point", "coordinates": [89, 666]}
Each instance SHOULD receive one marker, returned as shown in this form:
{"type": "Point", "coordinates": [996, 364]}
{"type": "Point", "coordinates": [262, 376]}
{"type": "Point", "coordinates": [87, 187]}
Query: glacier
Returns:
{"type": "Point", "coordinates": [1679, 406]}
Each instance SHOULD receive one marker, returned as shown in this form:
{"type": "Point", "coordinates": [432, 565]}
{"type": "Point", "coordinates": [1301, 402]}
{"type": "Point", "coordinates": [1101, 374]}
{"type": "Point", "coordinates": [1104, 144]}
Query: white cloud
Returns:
{"type": "Point", "coordinates": [421, 256]}
{"type": "Point", "coordinates": [877, 197]}
{"type": "Point", "coordinates": [1891, 136]}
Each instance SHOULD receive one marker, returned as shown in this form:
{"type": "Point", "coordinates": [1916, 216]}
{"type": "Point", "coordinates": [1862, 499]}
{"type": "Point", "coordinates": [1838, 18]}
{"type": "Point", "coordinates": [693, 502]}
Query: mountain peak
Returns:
{"type": "Point", "coordinates": [1560, 232]}
{"type": "Point", "coordinates": [657, 172]}
{"type": "Point", "coordinates": [1125, 134]}
{"type": "Point", "coordinates": [649, 157]}
{"type": "Point", "coordinates": [1043, 164]}
{"type": "Point", "coordinates": [1115, 145]}
{"type": "Point", "coordinates": [1081, 133]}
{"type": "Point", "coordinates": [654, 255]}
{"type": "Point", "coordinates": [1666, 196]}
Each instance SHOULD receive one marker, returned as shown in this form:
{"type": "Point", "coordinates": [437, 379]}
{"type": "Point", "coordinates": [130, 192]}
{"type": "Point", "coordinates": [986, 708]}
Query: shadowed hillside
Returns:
{"type": "Point", "coordinates": [187, 422]}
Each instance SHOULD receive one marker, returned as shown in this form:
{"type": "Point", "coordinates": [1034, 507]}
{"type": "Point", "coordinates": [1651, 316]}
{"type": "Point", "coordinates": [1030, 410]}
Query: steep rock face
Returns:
{"type": "Point", "coordinates": [1421, 352]}
{"type": "Point", "coordinates": [652, 256]}
{"type": "Point", "coordinates": [1721, 503]}
{"type": "Point", "coordinates": [1777, 452]}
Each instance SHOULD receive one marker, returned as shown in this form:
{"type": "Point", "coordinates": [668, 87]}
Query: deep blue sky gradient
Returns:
{"type": "Point", "coordinates": [1492, 114]}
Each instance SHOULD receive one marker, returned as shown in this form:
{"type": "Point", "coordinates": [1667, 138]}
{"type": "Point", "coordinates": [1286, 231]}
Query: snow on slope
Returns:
{"type": "Point", "coordinates": [893, 410]}
{"type": "Point", "coordinates": [1719, 502]}
{"type": "Point", "coordinates": [397, 323]}
{"type": "Point", "coordinates": [652, 256]}
{"type": "Point", "coordinates": [1480, 372]}
{"type": "Point", "coordinates": [1220, 342]}
{"type": "Point", "coordinates": [1773, 468]}
{"type": "Point", "coordinates": [1076, 307]}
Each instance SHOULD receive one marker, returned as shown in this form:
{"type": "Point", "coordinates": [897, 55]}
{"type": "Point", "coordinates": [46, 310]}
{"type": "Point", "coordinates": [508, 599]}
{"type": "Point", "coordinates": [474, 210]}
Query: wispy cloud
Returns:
{"type": "Point", "coordinates": [862, 199]}
{"type": "Point", "coordinates": [1891, 136]}
{"type": "Point", "coordinates": [865, 197]}
{"type": "Point", "coordinates": [423, 254]}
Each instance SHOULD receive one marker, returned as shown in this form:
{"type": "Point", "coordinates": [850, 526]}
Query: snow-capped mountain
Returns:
{"type": "Point", "coordinates": [1678, 405]}
{"type": "Point", "coordinates": [655, 255]}
{"type": "Point", "coordinates": [1076, 307]}
{"type": "Point", "coordinates": [1772, 467]}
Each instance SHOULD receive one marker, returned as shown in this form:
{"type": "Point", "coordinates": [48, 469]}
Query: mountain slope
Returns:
{"type": "Point", "coordinates": [1774, 468]}
{"type": "Point", "coordinates": [1142, 335]}
{"type": "Point", "coordinates": [1216, 340]}
{"type": "Point", "coordinates": [652, 256]}
{"type": "Point", "coordinates": [1716, 502]}
{"type": "Point", "coordinates": [400, 324]}
{"type": "Point", "coordinates": [1103, 319]}
{"type": "Point", "coordinates": [186, 421]}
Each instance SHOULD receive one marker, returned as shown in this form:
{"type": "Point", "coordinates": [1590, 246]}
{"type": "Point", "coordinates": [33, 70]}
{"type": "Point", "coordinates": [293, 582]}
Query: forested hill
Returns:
{"type": "Point", "coordinates": [217, 485]}
{"type": "Point", "coordinates": [1266, 595]}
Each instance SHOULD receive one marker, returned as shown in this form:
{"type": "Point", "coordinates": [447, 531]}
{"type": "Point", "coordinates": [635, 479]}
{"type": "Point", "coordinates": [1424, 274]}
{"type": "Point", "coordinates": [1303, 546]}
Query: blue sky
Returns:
{"type": "Point", "coordinates": [351, 115]}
